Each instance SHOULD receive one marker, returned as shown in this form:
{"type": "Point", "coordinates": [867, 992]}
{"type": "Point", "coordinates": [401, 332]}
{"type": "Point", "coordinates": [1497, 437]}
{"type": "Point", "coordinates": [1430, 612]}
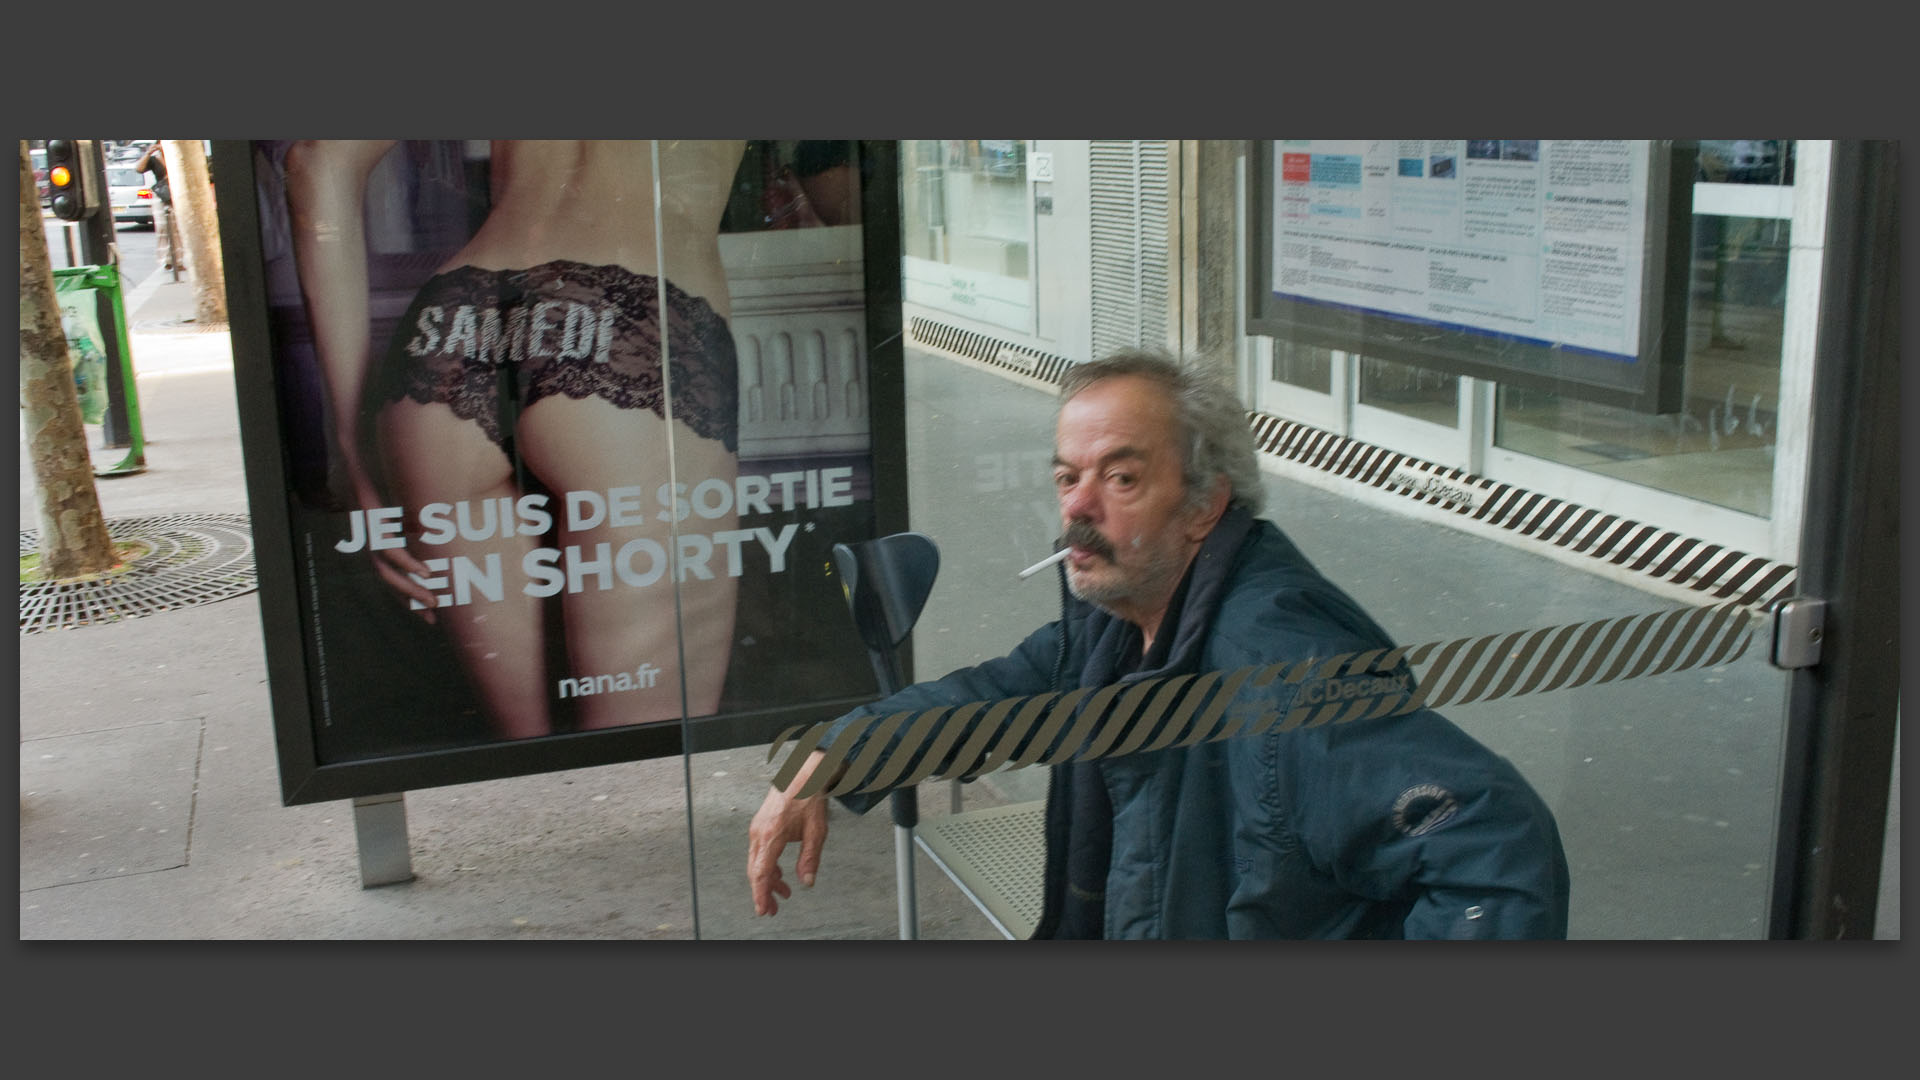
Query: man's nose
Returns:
{"type": "Point", "coordinates": [1079, 502]}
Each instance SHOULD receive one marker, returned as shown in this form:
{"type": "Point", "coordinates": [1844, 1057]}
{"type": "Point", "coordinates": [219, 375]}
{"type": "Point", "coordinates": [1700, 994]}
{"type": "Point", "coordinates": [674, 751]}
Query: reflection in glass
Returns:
{"type": "Point", "coordinates": [1746, 161]}
{"type": "Point", "coordinates": [1432, 396]}
{"type": "Point", "coordinates": [1719, 448]}
{"type": "Point", "coordinates": [799, 184]}
{"type": "Point", "coordinates": [1306, 366]}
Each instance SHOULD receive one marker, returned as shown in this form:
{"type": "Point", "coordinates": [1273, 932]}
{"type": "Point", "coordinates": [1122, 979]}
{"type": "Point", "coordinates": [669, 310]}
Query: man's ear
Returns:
{"type": "Point", "coordinates": [1210, 511]}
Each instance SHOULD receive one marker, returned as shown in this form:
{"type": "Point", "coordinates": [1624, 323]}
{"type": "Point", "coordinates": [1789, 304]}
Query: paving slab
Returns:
{"type": "Point", "coordinates": [107, 803]}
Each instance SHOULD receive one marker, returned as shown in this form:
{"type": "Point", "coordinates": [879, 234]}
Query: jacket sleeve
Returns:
{"type": "Point", "coordinates": [1028, 669]}
{"type": "Point", "coordinates": [1408, 811]}
{"type": "Point", "coordinates": [1412, 810]}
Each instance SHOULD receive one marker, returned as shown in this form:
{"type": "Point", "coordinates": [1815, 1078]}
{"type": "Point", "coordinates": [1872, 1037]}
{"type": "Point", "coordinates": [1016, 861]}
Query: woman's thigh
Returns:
{"type": "Point", "coordinates": [445, 469]}
{"type": "Point", "coordinates": [611, 470]}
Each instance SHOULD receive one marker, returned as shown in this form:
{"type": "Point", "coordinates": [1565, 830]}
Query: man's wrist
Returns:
{"type": "Point", "coordinates": [805, 776]}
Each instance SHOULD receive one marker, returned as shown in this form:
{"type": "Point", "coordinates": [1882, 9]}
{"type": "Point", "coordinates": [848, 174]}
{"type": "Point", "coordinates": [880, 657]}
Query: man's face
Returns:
{"type": "Point", "coordinates": [1117, 472]}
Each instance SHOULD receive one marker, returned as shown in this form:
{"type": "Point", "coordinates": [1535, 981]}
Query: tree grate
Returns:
{"type": "Point", "coordinates": [196, 559]}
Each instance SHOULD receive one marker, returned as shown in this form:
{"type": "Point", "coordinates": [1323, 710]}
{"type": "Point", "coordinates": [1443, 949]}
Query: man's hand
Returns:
{"type": "Point", "coordinates": [781, 820]}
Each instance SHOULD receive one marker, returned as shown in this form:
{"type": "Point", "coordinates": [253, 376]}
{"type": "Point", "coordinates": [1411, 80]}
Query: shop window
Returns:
{"type": "Point", "coordinates": [1432, 396]}
{"type": "Point", "coordinates": [967, 204]}
{"type": "Point", "coordinates": [1308, 367]}
{"type": "Point", "coordinates": [967, 224]}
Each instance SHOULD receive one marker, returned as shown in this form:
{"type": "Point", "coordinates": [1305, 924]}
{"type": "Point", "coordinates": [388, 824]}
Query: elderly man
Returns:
{"type": "Point", "coordinates": [1401, 826]}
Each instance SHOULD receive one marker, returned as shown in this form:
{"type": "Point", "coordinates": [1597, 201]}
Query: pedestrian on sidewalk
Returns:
{"type": "Point", "coordinates": [155, 162]}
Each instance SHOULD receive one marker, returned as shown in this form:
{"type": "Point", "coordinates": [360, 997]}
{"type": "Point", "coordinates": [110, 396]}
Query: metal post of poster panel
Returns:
{"type": "Point", "coordinates": [1843, 709]}
{"type": "Point", "coordinates": [887, 582]}
{"type": "Point", "coordinates": [380, 828]}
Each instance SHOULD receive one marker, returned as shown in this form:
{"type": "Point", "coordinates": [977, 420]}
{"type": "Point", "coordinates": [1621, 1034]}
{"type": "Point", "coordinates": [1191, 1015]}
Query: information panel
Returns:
{"type": "Point", "coordinates": [1534, 261]}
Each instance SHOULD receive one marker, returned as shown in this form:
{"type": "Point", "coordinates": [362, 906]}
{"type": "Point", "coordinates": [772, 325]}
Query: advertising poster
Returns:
{"type": "Point", "coordinates": [567, 431]}
{"type": "Point", "coordinates": [1525, 259]}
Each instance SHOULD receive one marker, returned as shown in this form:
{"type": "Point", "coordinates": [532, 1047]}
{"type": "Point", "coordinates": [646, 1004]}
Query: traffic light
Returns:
{"type": "Point", "coordinates": [70, 178]}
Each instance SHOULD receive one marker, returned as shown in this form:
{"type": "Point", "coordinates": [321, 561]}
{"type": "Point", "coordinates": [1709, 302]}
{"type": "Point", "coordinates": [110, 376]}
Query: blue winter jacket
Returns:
{"type": "Point", "coordinates": [1396, 827]}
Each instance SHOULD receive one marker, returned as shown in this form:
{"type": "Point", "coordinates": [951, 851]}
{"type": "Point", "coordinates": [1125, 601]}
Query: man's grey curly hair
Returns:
{"type": "Point", "coordinates": [1212, 421]}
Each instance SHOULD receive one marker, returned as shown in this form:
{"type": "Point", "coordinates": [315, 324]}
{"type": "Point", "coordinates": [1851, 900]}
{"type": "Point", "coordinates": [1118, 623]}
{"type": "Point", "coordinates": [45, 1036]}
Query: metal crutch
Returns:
{"type": "Point", "coordinates": [886, 582]}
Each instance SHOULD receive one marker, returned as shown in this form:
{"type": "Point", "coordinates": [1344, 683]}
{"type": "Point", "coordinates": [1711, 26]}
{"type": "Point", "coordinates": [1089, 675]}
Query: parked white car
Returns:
{"type": "Point", "coordinates": [131, 198]}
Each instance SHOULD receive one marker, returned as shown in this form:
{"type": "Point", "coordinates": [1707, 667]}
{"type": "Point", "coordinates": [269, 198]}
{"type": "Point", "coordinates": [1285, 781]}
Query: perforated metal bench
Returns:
{"type": "Point", "coordinates": [996, 856]}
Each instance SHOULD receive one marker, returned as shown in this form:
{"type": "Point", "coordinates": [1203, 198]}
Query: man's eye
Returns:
{"type": "Point", "coordinates": [1121, 480]}
{"type": "Point", "coordinates": [1062, 480]}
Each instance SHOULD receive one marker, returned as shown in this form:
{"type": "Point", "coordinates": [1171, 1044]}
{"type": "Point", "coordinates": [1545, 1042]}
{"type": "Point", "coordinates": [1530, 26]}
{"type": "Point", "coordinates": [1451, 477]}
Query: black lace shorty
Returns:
{"type": "Point", "coordinates": [490, 343]}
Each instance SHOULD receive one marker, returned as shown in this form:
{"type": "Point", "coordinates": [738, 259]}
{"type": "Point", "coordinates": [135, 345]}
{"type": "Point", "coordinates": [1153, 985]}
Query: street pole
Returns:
{"type": "Point", "coordinates": [98, 247]}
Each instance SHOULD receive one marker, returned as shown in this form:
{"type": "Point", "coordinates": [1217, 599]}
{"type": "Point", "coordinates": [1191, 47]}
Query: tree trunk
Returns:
{"type": "Point", "coordinates": [73, 535]}
{"type": "Point", "coordinates": [199, 227]}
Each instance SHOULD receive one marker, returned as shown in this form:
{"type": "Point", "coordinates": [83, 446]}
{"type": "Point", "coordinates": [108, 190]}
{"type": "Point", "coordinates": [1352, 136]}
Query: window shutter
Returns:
{"type": "Point", "coordinates": [1129, 222]}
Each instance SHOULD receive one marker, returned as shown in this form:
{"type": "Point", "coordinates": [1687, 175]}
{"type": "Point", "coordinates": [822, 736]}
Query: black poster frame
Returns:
{"type": "Point", "coordinates": [1655, 385]}
{"type": "Point", "coordinates": [304, 775]}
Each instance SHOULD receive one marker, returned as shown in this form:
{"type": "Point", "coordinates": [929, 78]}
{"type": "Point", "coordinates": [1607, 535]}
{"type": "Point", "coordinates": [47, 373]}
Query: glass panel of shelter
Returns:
{"type": "Point", "coordinates": [1660, 763]}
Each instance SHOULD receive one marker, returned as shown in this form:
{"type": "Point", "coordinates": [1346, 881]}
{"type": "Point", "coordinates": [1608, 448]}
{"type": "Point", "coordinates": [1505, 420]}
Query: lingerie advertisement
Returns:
{"type": "Point", "coordinates": [566, 432]}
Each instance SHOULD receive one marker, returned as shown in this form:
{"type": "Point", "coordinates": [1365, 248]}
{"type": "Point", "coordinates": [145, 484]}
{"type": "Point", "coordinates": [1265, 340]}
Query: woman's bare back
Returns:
{"type": "Point", "coordinates": [592, 201]}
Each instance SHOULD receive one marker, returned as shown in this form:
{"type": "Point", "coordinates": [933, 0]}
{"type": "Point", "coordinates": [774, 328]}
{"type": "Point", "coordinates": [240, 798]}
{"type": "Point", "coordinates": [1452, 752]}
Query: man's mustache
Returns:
{"type": "Point", "coordinates": [1082, 535]}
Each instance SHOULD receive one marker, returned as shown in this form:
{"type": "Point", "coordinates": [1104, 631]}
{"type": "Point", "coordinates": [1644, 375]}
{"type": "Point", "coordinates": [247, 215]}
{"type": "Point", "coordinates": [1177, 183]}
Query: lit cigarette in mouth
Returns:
{"type": "Point", "coordinates": [1046, 562]}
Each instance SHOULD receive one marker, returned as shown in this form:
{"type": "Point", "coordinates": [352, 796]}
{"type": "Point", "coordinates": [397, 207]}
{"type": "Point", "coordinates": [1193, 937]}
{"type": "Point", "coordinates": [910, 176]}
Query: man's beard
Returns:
{"type": "Point", "coordinates": [1159, 569]}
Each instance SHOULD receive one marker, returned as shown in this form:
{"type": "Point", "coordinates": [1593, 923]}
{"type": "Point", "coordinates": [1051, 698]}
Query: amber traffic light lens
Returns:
{"type": "Point", "coordinates": [59, 176]}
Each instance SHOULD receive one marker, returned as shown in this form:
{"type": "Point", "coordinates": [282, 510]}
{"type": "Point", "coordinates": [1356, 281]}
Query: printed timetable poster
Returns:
{"type": "Point", "coordinates": [1522, 259]}
{"type": "Point", "coordinates": [543, 483]}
